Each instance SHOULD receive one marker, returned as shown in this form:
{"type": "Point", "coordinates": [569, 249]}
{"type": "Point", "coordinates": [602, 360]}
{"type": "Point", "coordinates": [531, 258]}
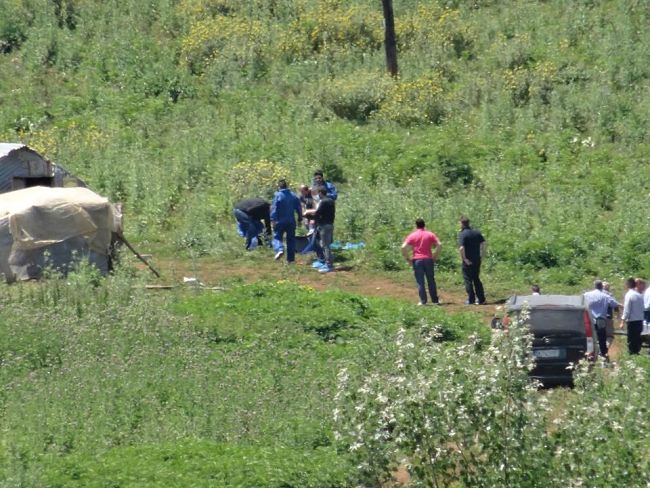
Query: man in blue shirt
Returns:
{"type": "Point", "coordinates": [319, 181]}
{"type": "Point", "coordinates": [285, 204]}
{"type": "Point", "coordinates": [599, 302]}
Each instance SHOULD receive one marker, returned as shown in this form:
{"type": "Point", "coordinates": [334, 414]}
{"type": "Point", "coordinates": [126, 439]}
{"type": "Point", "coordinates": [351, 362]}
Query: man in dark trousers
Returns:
{"type": "Point", "coordinates": [285, 204]}
{"type": "Point", "coordinates": [250, 213]}
{"type": "Point", "coordinates": [472, 246]}
{"type": "Point", "coordinates": [600, 303]}
{"type": "Point", "coordinates": [421, 242]}
{"type": "Point", "coordinates": [324, 215]}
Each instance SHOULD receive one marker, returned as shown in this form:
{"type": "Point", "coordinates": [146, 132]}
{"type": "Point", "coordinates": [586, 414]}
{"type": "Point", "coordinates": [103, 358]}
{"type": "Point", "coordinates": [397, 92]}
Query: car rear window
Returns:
{"type": "Point", "coordinates": [553, 321]}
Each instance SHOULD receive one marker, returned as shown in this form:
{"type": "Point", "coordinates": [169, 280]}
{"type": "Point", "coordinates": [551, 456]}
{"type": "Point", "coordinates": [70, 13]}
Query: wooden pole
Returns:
{"type": "Point", "coordinates": [138, 255]}
{"type": "Point", "coordinates": [390, 41]}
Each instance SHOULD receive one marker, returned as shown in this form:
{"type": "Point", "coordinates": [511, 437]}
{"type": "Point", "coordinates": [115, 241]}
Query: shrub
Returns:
{"type": "Point", "coordinates": [456, 416]}
{"type": "Point", "coordinates": [412, 103]}
{"type": "Point", "coordinates": [355, 97]}
{"type": "Point", "coordinates": [332, 26]}
{"type": "Point", "coordinates": [238, 42]}
{"type": "Point", "coordinates": [259, 178]}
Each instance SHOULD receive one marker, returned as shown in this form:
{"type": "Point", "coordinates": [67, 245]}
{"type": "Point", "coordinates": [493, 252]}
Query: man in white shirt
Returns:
{"type": "Point", "coordinates": [646, 305]}
{"type": "Point", "coordinates": [633, 314]}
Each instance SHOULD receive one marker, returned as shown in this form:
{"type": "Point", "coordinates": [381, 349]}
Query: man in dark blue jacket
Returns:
{"type": "Point", "coordinates": [471, 245]}
{"type": "Point", "coordinates": [285, 205]}
{"type": "Point", "coordinates": [319, 181]}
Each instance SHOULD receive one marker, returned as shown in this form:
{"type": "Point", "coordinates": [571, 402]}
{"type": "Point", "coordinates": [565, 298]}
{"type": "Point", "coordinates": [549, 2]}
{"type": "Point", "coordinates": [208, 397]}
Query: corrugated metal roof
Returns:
{"type": "Point", "coordinates": [6, 148]}
{"type": "Point", "coordinates": [552, 301]}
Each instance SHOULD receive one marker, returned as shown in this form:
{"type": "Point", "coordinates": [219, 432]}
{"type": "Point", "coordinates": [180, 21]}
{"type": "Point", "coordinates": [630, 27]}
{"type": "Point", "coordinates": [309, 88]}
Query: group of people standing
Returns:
{"type": "Point", "coordinates": [314, 208]}
{"type": "Point", "coordinates": [636, 312]}
{"type": "Point", "coordinates": [421, 249]}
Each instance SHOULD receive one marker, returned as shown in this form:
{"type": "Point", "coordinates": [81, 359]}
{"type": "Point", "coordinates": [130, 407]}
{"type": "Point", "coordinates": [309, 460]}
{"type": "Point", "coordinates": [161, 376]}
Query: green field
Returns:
{"type": "Point", "coordinates": [529, 117]}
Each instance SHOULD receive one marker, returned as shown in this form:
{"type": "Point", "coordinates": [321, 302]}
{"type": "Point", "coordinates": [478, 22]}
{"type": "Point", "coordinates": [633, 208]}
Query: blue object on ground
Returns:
{"type": "Point", "coordinates": [318, 264]}
{"type": "Point", "coordinates": [348, 246]}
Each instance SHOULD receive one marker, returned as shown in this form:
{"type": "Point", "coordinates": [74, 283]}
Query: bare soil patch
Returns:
{"type": "Point", "coordinates": [213, 272]}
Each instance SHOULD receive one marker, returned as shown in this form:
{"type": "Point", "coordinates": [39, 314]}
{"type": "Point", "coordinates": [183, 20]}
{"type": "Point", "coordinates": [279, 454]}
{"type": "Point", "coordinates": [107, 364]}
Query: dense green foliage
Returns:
{"type": "Point", "coordinates": [458, 417]}
{"type": "Point", "coordinates": [100, 380]}
{"type": "Point", "coordinates": [531, 117]}
{"type": "Point", "coordinates": [277, 385]}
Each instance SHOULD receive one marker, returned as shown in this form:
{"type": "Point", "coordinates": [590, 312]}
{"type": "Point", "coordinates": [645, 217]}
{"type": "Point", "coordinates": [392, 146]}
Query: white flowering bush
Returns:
{"type": "Point", "coordinates": [470, 415]}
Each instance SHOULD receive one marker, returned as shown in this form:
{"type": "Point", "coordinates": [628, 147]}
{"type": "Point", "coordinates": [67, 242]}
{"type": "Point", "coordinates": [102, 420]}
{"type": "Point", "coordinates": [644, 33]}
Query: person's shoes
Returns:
{"type": "Point", "coordinates": [467, 302]}
{"type": "Point", "coordinates": [484, 302]}
{"type": "Point", "coordinates": [278, 255]}
{"type": "Point", "coordinates": [325, 269]}
{"type": "Point", "coordinates": [436, 303]}
{"type": "Point", "coordinates": [317, 264]}
{"type": "Point", "coordinates": [421, 304]}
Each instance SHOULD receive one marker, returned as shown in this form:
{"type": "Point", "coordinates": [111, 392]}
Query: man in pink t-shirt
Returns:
{"type": "Point", "coordinates": [421, 242]}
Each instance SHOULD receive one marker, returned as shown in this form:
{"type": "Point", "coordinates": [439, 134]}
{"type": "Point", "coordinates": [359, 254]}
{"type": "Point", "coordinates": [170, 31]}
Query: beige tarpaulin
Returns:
{"type": "Point", "coordinates": [39, 217]}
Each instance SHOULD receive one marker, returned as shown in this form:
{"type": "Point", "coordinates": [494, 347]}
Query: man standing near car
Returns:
{"type": "Point", "coordinates": [633, 316]}
{"type": "Point", "coordinates": [472, 246]}
{"type": "Point", "coordinates": [610, 317]}
{"type": "Point", "coordinates": [285, 204]}
{"type": "Point", "coordinates": [646, 305]}
{"type": "Point", "coordinates": [599, 302]}
{"type": "Point", "coordinates": [421, 242]}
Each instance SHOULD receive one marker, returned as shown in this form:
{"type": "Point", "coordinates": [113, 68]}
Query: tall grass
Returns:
{"type": "Point", "coordinates": [531, 117]}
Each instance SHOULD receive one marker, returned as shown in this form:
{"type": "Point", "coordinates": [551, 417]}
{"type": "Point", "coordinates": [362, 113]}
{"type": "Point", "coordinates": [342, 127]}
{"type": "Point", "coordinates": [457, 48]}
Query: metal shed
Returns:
{"type": "Point", "coordinates": [22, 167]}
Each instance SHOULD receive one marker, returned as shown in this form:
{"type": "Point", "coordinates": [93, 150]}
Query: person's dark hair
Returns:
{"type": "Point", "coordinates": [419, 223]}
{"type": "Point", "coordinates": [322, 190]}
{"type": "Point", "coordinates": [464, 222]}
{"type": "Point", "coordinates": [598, 285]}
{"type": "Point", "coordinates": [318, 172]}
{"type": "Point", "coordinates": [630, 283]}
{"type": "Point", "coordinates": [282, 184]}
{"type": "Point", "coordinates": [535, 289]}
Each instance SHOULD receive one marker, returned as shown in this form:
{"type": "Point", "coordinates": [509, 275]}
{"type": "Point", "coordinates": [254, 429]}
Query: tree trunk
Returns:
{"type": "Point", "coordinates": [389, 37]}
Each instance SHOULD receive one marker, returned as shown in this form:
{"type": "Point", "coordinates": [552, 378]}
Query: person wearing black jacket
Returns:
{"type": "Point", "coordinates": [471, 245]}
{"type": "Point", "coordinates": [324, 215]}
{"type": "Point", "coordinates": [250, 213]}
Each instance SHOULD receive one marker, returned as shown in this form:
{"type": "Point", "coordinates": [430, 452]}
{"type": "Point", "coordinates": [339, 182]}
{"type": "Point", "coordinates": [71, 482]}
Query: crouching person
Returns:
{"type": "Point", "coordinates": [249, 214]}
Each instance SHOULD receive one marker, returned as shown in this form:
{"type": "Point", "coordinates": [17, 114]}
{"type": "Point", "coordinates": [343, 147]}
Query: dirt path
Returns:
{"type": "Point", "coordinates": [399, 286]}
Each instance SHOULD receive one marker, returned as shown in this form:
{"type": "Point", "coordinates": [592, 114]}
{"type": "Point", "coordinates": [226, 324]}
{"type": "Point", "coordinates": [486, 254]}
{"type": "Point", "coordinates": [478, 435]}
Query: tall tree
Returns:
{"type": "Point", "coordinates": [390, 40]}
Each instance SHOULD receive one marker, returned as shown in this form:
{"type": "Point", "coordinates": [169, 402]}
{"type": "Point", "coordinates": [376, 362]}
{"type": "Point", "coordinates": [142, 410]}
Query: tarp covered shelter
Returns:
{"type": "Point", "coordinates": [22, 167]}
{"type": "Point", "coordinates": [52, 227]}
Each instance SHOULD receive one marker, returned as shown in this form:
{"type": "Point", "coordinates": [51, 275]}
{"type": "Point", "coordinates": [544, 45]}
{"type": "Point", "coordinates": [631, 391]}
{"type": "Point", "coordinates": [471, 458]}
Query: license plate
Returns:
{"type": "Point", "coordinates": [546, 353]}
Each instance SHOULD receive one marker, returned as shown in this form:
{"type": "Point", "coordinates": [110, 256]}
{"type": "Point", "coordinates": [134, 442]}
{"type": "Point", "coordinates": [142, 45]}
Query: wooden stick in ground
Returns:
{"type": "Point", "coordinates": [138, 255]}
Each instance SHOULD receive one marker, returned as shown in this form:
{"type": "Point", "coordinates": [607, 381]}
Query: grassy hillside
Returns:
{"type": "Point", "coordinates": [530, 117]}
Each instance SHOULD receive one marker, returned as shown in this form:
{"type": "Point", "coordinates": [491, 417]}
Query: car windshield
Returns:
{"type": "Point", "coordinates": [549, 321]}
